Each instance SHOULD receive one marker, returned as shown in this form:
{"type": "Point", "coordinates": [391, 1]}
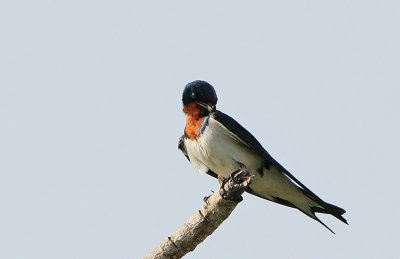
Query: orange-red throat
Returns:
{"type": "Point", "coordinates": [194, 119]}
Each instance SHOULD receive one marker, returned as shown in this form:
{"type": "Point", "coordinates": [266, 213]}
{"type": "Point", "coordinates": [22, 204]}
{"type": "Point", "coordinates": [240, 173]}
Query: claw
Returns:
{"type": "Point", "coordinates": [221, 180]}
{"type": "Point", "coordinates": [236, 175]}
{"type": "Point", "coordinates": [242, 167]}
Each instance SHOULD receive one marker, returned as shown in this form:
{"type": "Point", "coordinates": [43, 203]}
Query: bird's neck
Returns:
{"type": "Point", "coordinates": [195, 115]}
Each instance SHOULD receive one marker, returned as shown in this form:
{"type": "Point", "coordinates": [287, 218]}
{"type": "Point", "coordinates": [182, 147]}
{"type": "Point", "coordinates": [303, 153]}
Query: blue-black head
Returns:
{"type": "Point", "coordinates": [201, 93]}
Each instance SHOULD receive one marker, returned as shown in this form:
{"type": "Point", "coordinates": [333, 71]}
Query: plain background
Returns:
{"type": "Point", "coordinates": [90, 116]}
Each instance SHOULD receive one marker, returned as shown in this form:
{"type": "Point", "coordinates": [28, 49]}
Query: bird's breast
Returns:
{"type": "Point", "coordinates": [217, 149]}
{"type": "Point", "coordinates": [193, 126]}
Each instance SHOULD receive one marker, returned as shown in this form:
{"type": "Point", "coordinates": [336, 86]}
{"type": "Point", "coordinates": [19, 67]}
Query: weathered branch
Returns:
{"type": "Point", "coordinates": [214, 211]}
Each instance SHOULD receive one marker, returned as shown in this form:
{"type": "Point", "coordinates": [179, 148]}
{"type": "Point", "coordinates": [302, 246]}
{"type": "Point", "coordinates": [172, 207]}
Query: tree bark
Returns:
{"type": "Point", "coordinates": [215, 210]}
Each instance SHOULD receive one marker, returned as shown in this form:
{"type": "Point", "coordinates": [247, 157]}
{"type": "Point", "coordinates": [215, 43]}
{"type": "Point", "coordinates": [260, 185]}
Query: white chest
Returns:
{"type": "Point", "coordinates": [216, 149]}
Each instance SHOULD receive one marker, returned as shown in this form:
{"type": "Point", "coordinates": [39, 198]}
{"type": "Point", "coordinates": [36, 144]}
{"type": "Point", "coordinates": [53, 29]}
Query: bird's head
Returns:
{"type": "Point", "coordinates": [199, 98]}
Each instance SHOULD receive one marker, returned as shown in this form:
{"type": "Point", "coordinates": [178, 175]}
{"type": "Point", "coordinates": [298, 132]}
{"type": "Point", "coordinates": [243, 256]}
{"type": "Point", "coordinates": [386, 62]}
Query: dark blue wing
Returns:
{"type": "Point", "coordinates": [246, 137]}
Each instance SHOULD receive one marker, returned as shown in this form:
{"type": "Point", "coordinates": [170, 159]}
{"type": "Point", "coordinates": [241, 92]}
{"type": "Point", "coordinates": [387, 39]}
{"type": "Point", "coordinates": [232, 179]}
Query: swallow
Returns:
{"type": "Point", "coordinates": [216, 144]}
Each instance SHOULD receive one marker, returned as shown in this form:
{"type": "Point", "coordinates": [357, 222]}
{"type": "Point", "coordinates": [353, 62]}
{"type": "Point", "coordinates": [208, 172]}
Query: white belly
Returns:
{"type": "Point", "coordinates": [215, 149]}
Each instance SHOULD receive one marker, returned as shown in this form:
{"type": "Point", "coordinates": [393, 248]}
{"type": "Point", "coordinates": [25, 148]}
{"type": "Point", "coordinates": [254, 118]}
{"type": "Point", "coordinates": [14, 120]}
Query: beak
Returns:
{"type": "Point", "coordinates": [210, 108]}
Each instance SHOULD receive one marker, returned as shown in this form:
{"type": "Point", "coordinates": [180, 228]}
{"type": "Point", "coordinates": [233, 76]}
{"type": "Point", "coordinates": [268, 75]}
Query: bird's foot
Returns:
{"type": "Point", "coordinates": [238, 176]}
{"type": "Point", "coordinates": [237, 183]}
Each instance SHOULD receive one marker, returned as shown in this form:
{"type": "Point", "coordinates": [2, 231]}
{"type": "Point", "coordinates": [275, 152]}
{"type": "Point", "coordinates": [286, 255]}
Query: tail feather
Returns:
{"type": "Point", "coordinates": [322, 223]}
{"type": "Point", "coordinates": [331, 209]}
{"type": "Point", "coordinates": [323, 207]}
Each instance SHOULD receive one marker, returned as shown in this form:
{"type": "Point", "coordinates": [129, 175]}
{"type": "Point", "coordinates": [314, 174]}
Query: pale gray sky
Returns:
{"type": "Point", "coordinates": [90, 111]}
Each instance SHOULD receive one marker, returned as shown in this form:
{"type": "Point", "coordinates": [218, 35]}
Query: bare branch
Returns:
{"type": "Point", "coordinates": [214, 211]}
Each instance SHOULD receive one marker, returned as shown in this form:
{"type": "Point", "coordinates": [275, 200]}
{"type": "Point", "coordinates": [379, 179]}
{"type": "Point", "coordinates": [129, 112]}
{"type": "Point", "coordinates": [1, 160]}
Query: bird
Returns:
{"type": "Point", "coordinates": [218, 145]}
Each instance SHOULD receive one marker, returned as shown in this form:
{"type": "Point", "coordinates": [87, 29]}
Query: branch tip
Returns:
{"type": "Point", "coordinates": [216, 208]}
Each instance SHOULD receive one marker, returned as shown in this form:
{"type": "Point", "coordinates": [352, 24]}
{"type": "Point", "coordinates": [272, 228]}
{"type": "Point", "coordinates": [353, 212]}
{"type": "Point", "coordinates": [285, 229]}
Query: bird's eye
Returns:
{"type": "Point", "coordinates": [193, 94]}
